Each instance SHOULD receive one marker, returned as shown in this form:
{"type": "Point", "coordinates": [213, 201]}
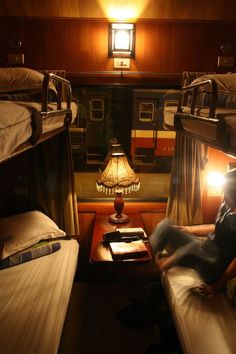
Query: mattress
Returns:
{"type": "Point", "coordinates": [217, 131]}
{"type": "Point", "coordinates": [204, 325]}
{"type": "Point", "coordinates": [169, 115]}
{"type": "Point", "coordinates": [208, 130]}
{"type": "Point", "coordinates": [15, 123]}
{"type": "Point", "coordinates": [34, 297]}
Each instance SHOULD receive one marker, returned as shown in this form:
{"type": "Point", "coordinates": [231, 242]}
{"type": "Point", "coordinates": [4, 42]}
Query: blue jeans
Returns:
{"type": "Point", "coordinates": [189, 250]}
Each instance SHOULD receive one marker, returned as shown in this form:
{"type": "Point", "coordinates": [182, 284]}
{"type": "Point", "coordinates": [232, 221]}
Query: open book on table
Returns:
{"type": "Point", "coordinates": [128, 250]}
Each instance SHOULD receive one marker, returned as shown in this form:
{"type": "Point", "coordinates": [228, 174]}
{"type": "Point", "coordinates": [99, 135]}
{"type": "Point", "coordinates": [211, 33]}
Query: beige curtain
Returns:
{"type": "Point", "coordinates": [42, 179]}
{"type": "Point", "coordinates": [53, 182]}
{"type": "Point", "coordinates": [185, 198]}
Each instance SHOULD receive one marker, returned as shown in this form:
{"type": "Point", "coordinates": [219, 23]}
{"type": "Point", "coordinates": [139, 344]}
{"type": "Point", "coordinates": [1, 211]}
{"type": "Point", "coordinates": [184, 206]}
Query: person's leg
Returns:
{"type": "Point", "coordinates": [164, 233]}
{"type": "Point", "coordinates": [185, 246]}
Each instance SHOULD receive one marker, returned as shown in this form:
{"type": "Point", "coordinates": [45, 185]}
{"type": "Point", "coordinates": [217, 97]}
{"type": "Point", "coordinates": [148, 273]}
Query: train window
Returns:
{"type": "Point", "coordinates": [146, 111]}
{"type": "Point", "coordinates": [96, 109]}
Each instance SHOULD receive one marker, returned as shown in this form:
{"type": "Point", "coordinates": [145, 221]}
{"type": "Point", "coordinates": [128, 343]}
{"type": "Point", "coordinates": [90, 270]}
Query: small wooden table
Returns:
{"type": "Point", "coordinates": [100, 253]}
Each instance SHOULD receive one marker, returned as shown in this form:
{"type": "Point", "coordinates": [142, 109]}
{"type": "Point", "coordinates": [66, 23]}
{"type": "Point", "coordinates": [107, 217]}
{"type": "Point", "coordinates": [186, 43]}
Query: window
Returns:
{"type": "Point", "coordinates": [96, 109]}
{"type": "Point", "coordinates": [146, 112]}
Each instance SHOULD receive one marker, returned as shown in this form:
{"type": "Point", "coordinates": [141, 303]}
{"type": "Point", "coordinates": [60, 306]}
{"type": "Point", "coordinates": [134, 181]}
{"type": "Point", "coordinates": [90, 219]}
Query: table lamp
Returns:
{"type": "Point", "coordinates": [117, 178]}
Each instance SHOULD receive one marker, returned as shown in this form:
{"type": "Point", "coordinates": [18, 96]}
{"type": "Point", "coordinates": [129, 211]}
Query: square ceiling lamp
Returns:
{"type": "Point", "coordinates": [121, 40]}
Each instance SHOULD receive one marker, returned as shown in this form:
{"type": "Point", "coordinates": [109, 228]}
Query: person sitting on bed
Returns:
{"type": "Point", "coordinates": [215, 257]}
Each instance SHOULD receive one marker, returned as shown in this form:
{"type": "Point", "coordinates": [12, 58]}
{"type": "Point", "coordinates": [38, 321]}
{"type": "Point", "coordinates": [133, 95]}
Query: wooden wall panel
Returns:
{"type": "Point", "coordinates": [81, 45]}
{"type": "Point", "coordinates": [148, 9]}
{"type": "Point", "coordinates": [176, 46]}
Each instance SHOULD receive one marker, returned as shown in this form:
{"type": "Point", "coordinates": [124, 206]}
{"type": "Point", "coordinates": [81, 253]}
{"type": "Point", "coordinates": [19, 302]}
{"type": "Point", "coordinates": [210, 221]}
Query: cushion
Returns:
{"type": "Point", "coordinates": [187, 78]}
{"type": "Point", "coordinates": [42, 248]}
{"type": "Point", "coordinates": [23, 230]}
{"type": "Point", "coordinates": [231, 102]}
{"type": "Point", "coordinates": [15, 79]}
{"type": "Point", "coordinates": [226, 83]}
{"type": "Point", "coordinates": [231, 291]}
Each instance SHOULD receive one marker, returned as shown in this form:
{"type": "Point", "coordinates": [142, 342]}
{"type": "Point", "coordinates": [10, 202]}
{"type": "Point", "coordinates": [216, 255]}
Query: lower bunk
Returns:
{"type": "Point", "coordinates": [34, 297]}
{"type": "Point", "coordinates": [204, 325]}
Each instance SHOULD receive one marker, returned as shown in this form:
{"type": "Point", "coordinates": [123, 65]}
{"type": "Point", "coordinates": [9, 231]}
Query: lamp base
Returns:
{"type": "Point", "coordinates": [118, 218]}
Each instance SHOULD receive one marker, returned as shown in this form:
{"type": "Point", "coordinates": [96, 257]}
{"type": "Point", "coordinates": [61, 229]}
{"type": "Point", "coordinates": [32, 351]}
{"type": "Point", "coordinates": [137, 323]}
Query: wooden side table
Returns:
{"type": "Point", "coordinates": [99, 253]}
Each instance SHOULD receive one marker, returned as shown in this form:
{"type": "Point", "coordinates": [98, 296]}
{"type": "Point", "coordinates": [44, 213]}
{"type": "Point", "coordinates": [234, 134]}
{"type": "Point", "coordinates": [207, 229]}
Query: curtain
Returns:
{"type": "Point", "coordinates": [185, 198]}
{"type": "Point", "coordinates": [53, 182]}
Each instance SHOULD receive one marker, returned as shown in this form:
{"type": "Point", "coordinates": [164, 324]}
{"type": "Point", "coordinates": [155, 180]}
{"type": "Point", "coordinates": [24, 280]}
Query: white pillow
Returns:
{"type": "Point", "coordinates": [21, 231]}
{"type": "Point", "coordinates": [226, 83]}
{"type": "Point", "coordinates": [16, 79]}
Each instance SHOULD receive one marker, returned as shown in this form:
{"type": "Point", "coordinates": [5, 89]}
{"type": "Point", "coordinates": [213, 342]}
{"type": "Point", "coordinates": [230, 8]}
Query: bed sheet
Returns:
{"type": "Point", "coordinates": [204, 325]}
{"type": "Point", "coordinates": [169, 115]}
{"type": "Point", "coordinates": [34, 297]}
{"type": "Point", "coordinates": [170, 111]}
{"type": "Point", "coordinates": [15, 123]}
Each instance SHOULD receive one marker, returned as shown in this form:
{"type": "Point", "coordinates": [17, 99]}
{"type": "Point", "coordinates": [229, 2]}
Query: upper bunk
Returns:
{"type": "Point", "coordinates": [34, 106]}
{"type": "Point", "coordinates": [206, 111]}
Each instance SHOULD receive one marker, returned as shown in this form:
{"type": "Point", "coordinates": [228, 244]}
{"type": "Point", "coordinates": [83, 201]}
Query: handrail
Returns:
{"type": "Point", "coordinates": [36, 120]}
{"type": "Point", "coordinates": [195, 89]}
{"type": "Point", "coordinates": [61, 82]}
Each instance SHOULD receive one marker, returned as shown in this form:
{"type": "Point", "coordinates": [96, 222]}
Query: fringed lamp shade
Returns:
{"type": "Point", "coordinates": [118, 178]}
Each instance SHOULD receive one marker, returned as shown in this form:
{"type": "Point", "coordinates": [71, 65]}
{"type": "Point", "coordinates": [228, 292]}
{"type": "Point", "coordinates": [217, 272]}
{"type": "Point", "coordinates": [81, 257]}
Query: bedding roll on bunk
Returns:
{"type": "Point", "coordinates": [31, 105]}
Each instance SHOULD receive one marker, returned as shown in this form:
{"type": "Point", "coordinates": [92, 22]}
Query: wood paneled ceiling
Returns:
{"type": "Point", "coordinates": [203, 10]}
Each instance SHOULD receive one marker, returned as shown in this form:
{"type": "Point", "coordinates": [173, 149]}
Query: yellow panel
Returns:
{"type": "Point", "coordinates": [167, 134]}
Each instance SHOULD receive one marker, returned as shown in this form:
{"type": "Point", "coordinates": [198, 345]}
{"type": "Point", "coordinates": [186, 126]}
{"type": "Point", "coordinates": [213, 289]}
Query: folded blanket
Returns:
{"type": "Point", "coordinates": [42, 248]}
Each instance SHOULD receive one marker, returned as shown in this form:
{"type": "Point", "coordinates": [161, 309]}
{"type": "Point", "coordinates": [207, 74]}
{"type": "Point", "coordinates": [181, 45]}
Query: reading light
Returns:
{"type": "Point", "coordinates": [118, 178]}
{"type": "Point", "coordinates": [215, 181]}
{"type": "Point", "coordinates": [121, 40]}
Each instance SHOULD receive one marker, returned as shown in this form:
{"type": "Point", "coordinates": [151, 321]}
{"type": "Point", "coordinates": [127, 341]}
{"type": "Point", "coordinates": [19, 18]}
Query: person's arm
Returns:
{"type": "Point", "coordinates": [219, 285]}
{"type": "Point", "coordinates": [198, 230]}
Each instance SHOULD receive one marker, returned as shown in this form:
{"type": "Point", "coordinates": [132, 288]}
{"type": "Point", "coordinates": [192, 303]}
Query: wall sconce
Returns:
{"type": "Point", "coordinates": [121, 40]}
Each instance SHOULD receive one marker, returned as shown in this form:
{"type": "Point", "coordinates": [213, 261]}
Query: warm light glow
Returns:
{"type": "Point", "coordinates": [121, 40]}
{"type": "Point", "coordinates": [118, 176]}
{"type": "Point", "coordinates": [122, 14]}
{"type": "Point", "coordinates": [215, 182]}
{"type": "Point", "coordinates": [215, 179]}
{"type": "Point", "coordinates": [123, 10]}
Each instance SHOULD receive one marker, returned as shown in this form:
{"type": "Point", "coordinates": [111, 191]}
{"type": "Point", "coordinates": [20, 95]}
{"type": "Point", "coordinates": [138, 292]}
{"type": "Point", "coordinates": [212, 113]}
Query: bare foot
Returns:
{"type": "Point", "coordinates": [165, 263]}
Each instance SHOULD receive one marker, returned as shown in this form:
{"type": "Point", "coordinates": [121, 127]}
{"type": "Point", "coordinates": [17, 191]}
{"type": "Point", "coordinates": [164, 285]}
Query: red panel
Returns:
{"type": "Point", "coordinates": [165, 147]}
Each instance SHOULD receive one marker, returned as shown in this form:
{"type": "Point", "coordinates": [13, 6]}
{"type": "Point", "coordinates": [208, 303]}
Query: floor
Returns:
{"type": "Point", "coordinates": [99, 295]}
{"type": "Point", "coordinates": [91, 326]}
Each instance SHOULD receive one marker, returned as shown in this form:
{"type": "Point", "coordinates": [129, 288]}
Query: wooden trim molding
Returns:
{"type": "Point", "coordinates": [130, 207]}
{"type": "Point", "coordinates": [124, 78]}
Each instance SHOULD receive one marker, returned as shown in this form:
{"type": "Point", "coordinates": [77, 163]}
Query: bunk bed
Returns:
{"type": "Point", "coordinates": [26, 121]}
{"type": "Point", "coordinates": [39, 249]}
{"type": "Point", "coordinates": [206, 111]}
